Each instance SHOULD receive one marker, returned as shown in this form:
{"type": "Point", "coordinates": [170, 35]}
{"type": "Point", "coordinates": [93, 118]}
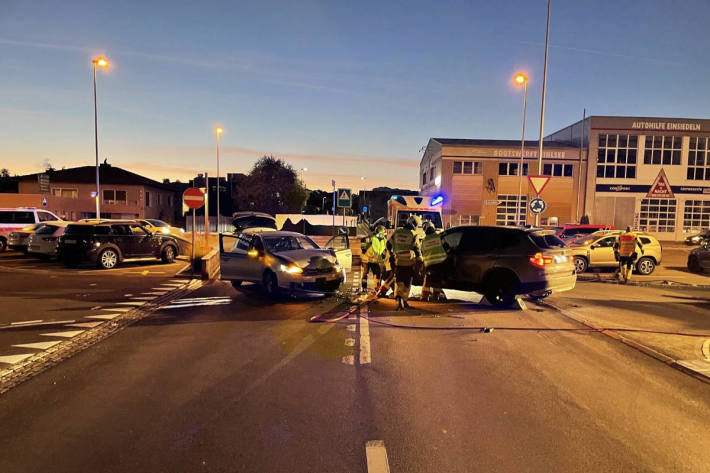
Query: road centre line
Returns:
{"type": "Point", "coordinates": [365, 354]}
{"type": "Point", "coordinates": [70, 334]}
{"type": "Point", "coordinates": [376, 454]}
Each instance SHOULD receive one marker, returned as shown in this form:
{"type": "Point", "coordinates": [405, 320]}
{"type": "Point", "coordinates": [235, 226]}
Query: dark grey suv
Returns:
{"type": "Point", "coordinates": [108, 242]}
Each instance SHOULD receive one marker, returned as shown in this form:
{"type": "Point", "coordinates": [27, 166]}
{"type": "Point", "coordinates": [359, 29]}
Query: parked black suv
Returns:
{"type": "Point", "coordinates": [108, 242]}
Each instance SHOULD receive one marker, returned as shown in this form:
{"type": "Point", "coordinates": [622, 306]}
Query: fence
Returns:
{"type": "Point", "coordinates": [225, 223]}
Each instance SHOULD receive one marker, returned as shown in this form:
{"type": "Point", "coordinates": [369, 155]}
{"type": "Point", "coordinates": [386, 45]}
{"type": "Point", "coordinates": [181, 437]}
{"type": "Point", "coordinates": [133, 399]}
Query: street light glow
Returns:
{"type": "Point", "coordinates": [219, 130]}
{"type": "Point", "coordinates": [101, 62]}
{"type": "Point", "coordinates": [520, 78]}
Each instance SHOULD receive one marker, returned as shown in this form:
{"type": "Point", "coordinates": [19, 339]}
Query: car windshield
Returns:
{"type": "Point", "coordinates": [157, 223]}
{"type": "Point", "coordinates": [46, 230]}
{"type": "Point", "coordinates": [277, 244]}
{"type": "Point", "coordinates": [545, 240]}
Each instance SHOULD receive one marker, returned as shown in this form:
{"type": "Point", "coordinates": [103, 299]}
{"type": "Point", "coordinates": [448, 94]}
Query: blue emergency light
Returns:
{"type": "Point", "coordinates": [438, 199]}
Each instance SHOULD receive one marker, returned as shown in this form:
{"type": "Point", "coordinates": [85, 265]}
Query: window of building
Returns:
{"type": "Point", "coordinates": [431, 174]}
{"type": "Point", "coordinates": [467, 167]}
{"type": "Point", "coordinates": [112, 196]}
{"type": "Point", "coordinates": [557, 170]}
{"type": "Point", "coordinates": [657, 215]}
{"type": "Point", "coordinates": [424, 178]}
{"type": "Point", "coordinates": [64, 192]}
{"type": "Point", "coordinates": [511, 169]}
{"type": "Point", "coordinates": [616, 156]}
{"type": "Point", "coordinates": [696, 215]}
{"type": "Point", "coordinates": [698, 165]}
{"type": "Point", "coordinates": [147, 198]}
{"type": "Point", "coordinates": [662, 150]}
{"type": "Point", "coordinates": [506, 210]}
{"type": "Point", "coordinates": [468, 220]}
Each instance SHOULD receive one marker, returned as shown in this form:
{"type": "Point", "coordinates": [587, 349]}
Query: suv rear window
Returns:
{"type": "Point", "coordinates": [87, 230]}
{"type": "Point", "coordinates": [483, 239]}
{"type": "Point", "coordinates": [544, 241]}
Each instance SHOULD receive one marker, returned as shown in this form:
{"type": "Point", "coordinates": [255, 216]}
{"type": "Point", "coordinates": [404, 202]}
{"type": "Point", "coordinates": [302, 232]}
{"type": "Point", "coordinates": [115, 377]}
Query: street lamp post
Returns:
{"type": "Point", "coordinates": [542, 105]}
{"type": "Point", "coordinates": [101, 62]}
{"type": "Point", "coordinates": [521, 79]}
{"type": "Point", "coordinates": [303, 209]}
{"type": "Point", "coordinates": [218, 131]}
{"type": "Point", "coordinates": [364, 195]}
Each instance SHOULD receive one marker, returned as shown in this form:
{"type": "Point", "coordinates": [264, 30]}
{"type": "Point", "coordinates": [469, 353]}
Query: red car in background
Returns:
{"type": "Point", "coordinates": [571, 230]}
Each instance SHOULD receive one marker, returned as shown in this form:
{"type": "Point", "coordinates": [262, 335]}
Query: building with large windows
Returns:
{"type": "Point", "coordinates": [650, 173]}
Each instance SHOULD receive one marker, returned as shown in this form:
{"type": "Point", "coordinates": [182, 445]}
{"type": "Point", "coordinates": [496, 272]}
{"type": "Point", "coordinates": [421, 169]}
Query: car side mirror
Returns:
{"type": "Point", "coordinates": [591, 247]}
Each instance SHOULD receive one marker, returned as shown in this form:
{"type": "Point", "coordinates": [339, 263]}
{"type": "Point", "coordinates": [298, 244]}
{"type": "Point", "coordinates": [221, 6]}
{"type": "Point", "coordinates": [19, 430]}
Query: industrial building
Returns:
{"type": "Point", "coordinates": [650, 173]}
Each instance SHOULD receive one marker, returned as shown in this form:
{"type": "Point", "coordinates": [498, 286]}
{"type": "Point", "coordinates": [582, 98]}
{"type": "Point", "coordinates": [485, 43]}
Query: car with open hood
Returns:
{"type": "Point", "coordinates": [283, 262]}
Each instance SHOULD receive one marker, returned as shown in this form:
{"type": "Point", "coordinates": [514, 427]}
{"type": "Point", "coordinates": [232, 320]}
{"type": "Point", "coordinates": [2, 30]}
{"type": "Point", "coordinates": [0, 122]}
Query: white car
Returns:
{"type": "Point", "coordinates": [15, 219]}
{"type": "Point", "coordinates": [43, 241]}
{"type": "Point", "coordinates": [283, 262]}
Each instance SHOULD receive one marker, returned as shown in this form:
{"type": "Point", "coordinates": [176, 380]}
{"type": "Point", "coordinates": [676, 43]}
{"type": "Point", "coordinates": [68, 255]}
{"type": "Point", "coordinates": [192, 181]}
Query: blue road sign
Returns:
{"type": "Point", "coordinates": [44, 201]}
{"type": "Point", "coordinates": [537, 205]}
{"type": "Point", "coordinates": [344, 198]}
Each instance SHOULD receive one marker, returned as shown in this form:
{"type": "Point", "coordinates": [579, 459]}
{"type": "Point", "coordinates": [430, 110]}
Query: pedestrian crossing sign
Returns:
{"type": "Point", "coordinates": [345, 198]}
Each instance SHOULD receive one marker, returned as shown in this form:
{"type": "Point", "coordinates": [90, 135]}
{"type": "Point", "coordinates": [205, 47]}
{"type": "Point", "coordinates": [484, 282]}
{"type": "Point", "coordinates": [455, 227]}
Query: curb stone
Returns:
{"type": "Point", "coordinates": [42, 361]}
{"type": "Point", "coordinates": [667, 360]}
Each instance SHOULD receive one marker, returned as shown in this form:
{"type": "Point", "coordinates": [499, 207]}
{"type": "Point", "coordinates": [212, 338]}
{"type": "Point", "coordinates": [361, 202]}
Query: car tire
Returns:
{"type": "Point", "coordinates": [500, 290]}
{"type": "Point", "coordinates": [694, 265]}
{"type": "Point", "coordinates": [580, 264]}
{"type": "Point", "coordinates": [271, 285]}
{"type": "Point", "coordinates": [236, 283]}
{"type": "Point", "coordinates": [108, 259]}
{"type": "Point", "coordinates": [168, 254]}
{"type": "Point", "coordinates": [645, 266]}
{"type": "Point", "coordinates": [3, 244]}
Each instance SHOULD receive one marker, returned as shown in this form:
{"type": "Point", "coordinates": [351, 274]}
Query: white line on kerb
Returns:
{"type": "Point", "coordinates": [376, 454]}
{"type": "Point", "coordinates": [365, 356]}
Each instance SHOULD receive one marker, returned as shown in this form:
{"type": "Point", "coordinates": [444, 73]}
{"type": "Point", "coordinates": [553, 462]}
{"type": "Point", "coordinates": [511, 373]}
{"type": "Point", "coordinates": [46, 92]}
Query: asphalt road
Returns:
{"type": "Point", "coordinates": [224, 380]}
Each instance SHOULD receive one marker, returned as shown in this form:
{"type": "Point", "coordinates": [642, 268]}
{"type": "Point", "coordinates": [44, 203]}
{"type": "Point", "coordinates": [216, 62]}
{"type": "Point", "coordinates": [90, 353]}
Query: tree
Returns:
{"type": "Point", "coordinates": [4, 173]}
{"type": "Point", "coordinates": [272, 186]}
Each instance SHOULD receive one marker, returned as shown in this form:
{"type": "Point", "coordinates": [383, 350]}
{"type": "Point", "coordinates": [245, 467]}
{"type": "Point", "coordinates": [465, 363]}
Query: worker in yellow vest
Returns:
{"type": "Point", "coordinates": [433, 254]}
{"type": "Point", "coordinates": [375, 257]}
{"type": "Point", "coordinates": [404, 245]}
{"type": "Point", "coordinates": [625, 247]}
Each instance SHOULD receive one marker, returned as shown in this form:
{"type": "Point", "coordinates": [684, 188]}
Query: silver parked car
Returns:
{"type": "Point", "coordinates": [17, 240]}
{"type": "Point", "coordinates": [43, 241]}
{"type": "Point", "coordinates": [281, 261]}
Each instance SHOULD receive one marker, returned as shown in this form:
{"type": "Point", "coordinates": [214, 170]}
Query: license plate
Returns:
{"type": "Point", "coordinates": [70, 241]}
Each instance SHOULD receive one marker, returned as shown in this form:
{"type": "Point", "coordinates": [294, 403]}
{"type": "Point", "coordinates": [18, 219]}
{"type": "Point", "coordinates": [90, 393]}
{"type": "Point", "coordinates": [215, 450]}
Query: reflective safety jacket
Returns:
{"type": "Point", "coordinates": [376, 252]}
{"type": "Point", "coordinates": [404, 246]}
{"type": "Point", "coordinates": [627, 244]}
{"type": "Point", "coordinates": [433, 251]}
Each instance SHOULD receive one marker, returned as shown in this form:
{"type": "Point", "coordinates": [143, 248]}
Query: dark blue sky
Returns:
{"type": "Point", "coordinates": [343, 88]}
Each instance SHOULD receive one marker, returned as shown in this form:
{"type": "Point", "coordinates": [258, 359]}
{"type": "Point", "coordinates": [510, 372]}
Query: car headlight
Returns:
{"type": "Point", "coordinates": [165, 230]}
{"type": "Point", "coordinates": [338, 268]}
{"type": "Point", "coordinates": [182, 230]}
{"type": "Point", "coordinates": [291, 269]}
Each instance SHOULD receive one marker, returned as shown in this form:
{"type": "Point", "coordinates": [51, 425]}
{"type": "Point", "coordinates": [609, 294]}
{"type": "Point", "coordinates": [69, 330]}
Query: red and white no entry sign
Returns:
{"type": "Point", "coordinates": [193, 197]}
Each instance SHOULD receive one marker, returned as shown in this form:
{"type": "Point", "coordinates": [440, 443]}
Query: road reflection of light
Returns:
{"type": "Point", "coordinates": [198, 301]}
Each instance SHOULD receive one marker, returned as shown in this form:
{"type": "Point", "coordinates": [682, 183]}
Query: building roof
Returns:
{"type": "Point", "coordinates": [87, 175]}
{"type": "Point", "coordinates": [512, 143]}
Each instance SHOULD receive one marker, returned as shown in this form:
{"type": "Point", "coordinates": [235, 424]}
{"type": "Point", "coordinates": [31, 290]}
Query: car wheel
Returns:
{"type": "Point", "coordinates": [580, 264]}
{"type": "Point", "coordinates": [645, 266]}
{"type": "Point", "coordinates": [694, 265]}
{"type": "Point", "coordinates": [236, 283]}
{"type": "Point", "coordinates": [271, 284]}
{"type": "Point", "coordinates": [500, 290]}
{"type": "Point", "coordinates": [168, 255]}
{"type": "Point", "coordinates": [108, 259]}
{"type": "Point", "coordinates": [3, 244]}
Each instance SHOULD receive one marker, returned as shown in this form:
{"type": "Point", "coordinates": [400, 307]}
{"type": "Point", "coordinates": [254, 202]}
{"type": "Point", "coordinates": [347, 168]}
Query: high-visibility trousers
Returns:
{"type": "Point", "coordinates": [432, 282]}
{"type": "Point", "coordinates": [403, 277]}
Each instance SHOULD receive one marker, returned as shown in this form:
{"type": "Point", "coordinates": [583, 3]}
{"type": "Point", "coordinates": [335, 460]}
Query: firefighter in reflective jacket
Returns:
{"type": "Point", "coordinates": [433, 254]}
{"type": "Point", "coordinates": [375, 255]}
{"type": "Point", "coordinates": [405, 246]}
{"type": "Point", "coordinates": [625, 247]}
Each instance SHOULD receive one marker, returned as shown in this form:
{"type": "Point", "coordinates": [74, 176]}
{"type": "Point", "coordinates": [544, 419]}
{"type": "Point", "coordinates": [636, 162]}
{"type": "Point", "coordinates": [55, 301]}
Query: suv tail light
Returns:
{"type": "Point", "coordinates": [540, 261]}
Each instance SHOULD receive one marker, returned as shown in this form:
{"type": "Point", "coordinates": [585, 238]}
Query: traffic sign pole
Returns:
{"type": "Point", "coordinates": [192, 256]}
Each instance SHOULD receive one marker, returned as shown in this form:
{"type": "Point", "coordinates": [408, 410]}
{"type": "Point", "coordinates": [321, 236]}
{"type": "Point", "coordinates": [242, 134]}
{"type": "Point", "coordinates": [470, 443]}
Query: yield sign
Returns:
{"type": "Point", "coordinates": [193, 197]}
{"type": "Point", "coordinates": [538, 183]}
{"type": "Point", "coordinates": [660, 187]}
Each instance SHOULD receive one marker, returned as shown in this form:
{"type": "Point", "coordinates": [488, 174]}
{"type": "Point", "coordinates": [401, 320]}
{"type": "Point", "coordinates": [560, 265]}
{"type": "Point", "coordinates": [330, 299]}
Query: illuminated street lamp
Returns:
{"type": "Point", "coordinates": [218, 131]}
{"type": "Point", "coordinates": [521, 79]}
{"type": "Point", "coordinates": [101, 62]}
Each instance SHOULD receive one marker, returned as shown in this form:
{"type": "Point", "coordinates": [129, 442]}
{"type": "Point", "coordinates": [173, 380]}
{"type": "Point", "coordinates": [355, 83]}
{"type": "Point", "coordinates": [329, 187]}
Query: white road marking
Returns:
{"type": "Point", "coordinates": [351, 328]}
{"type": "Point", "coordinates": [12, 359]}
{"type": "Point", "coordinates": [70, 334]}
{"type": "Point", "coordinates": [103, 316]}
{"type": "Point", "coordinates": [128, 295]}
{"type": "Point", "coordinates": [156, 293]}
{"type": "Point", "coordinates": [348, 360]}
{"type": "Point", "coordinates": [376, 454]}
{"type": "Point", "coordinates": [96, 307]}
{"type": "Point", "coordinates": [88, 324]}
{"type": "Point", "coordinates": [40, 345]}
{"type": "Point", "coordinates": [143, 298]}
{"type": "Point", "coordinates": [129, 303]}
{"type": "Point", "coordinates": [118, 309]}
{"type": "Point", "coordinates": [92, 284]}
{"type": "Point", "coordinates": [365, 355]}
{"type": "Point", "coordinates": [349, 342]}
{"type": "Point", "coordinates": [26, 322]}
